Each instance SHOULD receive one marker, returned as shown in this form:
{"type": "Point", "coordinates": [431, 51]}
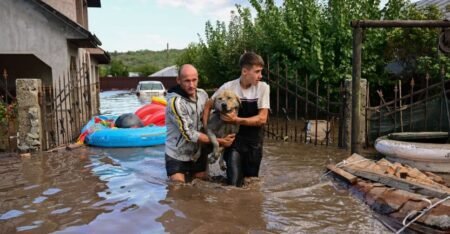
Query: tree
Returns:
{"type": "Point", "coordinates": [314, 37]}
{"type": "Point", "coordinates": [118, 68]}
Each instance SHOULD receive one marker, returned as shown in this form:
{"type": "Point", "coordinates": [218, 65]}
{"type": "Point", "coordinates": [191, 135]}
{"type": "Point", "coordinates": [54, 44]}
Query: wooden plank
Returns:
{"type": "Point", "coordinates": [398, 183]}
{"type": "Point", "coordinates": [347, 176]}
{"type": "Point", "coordinates": [74, 146]}
{"type": "Point", "coordinates": [396, 170]}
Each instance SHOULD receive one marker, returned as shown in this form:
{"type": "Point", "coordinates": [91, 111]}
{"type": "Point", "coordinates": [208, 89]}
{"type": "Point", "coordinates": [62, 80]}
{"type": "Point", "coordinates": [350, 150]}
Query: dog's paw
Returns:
{"type": "Point", "coordinates": [211, 158]}
{"type": "Point", "coordinates": [222, 165]}
{"type": "Point", "coordinates": [218, 155]}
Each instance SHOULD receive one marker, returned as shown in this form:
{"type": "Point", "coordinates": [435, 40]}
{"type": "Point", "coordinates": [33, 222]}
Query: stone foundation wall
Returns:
{"type": "Point", "coordinates": [29, 115]}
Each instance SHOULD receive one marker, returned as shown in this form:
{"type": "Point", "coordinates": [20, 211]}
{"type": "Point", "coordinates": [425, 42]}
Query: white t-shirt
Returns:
{"type": "Point", "coordinates": [259, 93]}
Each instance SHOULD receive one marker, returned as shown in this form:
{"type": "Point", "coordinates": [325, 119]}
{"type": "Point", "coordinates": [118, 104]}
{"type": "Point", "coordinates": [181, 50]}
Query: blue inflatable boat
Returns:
{"type": "Point", "coordinates": [98, 132]}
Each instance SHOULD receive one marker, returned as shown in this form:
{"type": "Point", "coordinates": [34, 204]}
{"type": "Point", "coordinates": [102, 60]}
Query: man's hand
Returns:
{"type": "Point", "coordinates": [227, 141]}
{"type": "Point", "coordinates": [229, 117]}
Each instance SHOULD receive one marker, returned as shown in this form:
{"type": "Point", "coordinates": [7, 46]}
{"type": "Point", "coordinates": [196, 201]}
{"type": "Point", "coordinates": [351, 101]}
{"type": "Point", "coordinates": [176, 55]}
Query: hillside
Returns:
{"type": "Point", "coordinates": [143, 61]}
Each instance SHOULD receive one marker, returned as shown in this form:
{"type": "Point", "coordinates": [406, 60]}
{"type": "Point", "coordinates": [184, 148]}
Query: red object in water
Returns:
{"type": "Point", "coordinates": [152, 113]}
{"type": "Point", "coordinates": [148, 110]}
{"type": "Point", "coordinates": [157, 118]}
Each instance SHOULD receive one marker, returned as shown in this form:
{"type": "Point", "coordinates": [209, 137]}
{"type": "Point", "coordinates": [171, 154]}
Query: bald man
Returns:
{"type": "Point", "coordinates": [185, 104]}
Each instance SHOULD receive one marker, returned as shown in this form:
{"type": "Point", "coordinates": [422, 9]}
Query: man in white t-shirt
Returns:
{"type": "Point", "coordinates": [243, 158]}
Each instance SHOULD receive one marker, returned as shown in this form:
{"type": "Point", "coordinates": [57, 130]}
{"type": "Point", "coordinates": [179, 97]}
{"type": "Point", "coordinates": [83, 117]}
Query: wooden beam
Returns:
{"type": "Point", "coordinates": [347, 176]}
{"type": "Point", "coordinates": [356, 90]}
{"type": "Point", "coordinates": [398, 183]}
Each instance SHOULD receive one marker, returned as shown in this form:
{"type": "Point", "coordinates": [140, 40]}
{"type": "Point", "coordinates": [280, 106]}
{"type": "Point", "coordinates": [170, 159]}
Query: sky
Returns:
{"type": "Point", "coordinates": [130, 25]}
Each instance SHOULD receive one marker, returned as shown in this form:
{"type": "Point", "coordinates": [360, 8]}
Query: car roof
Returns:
{"type": "Point", "coordinates": [150, 81]}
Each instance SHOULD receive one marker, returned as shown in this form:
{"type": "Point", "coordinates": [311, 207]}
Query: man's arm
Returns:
{"type": "Point", "coordinates": [225, 142]}
{"type": "Point", "coordinates": [258, 120]}
{"type": "Point", "coordinates": [206, 112]}
{"type": "Point", "coordinates": [179, 116]}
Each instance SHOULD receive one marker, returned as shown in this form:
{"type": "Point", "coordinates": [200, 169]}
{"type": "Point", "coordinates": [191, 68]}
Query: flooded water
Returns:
{"type": "Point", "coordinates": [101, 190]}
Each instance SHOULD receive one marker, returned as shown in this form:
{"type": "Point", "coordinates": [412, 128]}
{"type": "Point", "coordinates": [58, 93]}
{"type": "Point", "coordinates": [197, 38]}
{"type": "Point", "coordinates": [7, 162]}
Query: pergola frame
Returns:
{"type": "Point", "coordinates": [358, 27]}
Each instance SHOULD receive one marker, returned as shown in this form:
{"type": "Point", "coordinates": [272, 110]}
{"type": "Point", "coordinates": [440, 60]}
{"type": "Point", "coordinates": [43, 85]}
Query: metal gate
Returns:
{"type": "Point", "coordinates": [304, 111]}
{"type": "Point", "coordinates": [67, 106]}
{"type": "Point", "coordinates": [8, 114]}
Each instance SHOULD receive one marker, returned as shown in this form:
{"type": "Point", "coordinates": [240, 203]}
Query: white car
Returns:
{"type": "Point", "coordinates": [151, 88]}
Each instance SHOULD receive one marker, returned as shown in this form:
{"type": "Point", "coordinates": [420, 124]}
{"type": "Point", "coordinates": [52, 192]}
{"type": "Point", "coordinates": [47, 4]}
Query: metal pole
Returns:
{"type": "Point", "coordinates": [328, 128]}
{"type": "Point", "coordinates": [356, 89]}
{"type": "Point", "coordinates": [317, 112]}
{"type": "Point", "coordinates": [411, 102]}
{"type": "Point", "coordinates": [395, 107]}
{"type": "Point", "coordinates": [5, 75]}
{"type": "Point", "coordinates": [366, 121]}
{"type": "Point", "coordinates": [400, 104]}
{"type": "Point", "coordinates": [296, 104]}
{"type": "Point", "coordinates": [278, 97]}
{"type": "Point", "coordinates": [427, 78]}
{"type": "Point", "coordinates": [444, 92]}
{"type": "Point", "coordinates": [286, 100]}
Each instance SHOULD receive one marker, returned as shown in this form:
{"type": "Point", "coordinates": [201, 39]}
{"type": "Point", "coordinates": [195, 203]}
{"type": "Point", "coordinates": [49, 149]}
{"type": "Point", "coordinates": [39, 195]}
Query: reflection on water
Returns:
{"type": "Point", "coordinates": [119, 102]}
{"type": "Point", "coordinates": [125, 190]}
{"type": "Point", "coordinates": [48, 192]}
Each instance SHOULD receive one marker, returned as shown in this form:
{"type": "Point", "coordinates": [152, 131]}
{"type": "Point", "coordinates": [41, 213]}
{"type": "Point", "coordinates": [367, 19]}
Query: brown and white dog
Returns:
{"type": "Point", "coordinates": [224, 102]}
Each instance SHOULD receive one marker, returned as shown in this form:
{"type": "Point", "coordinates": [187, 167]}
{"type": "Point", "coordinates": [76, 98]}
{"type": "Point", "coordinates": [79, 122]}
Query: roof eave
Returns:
{"type": "Point", "coordinates": [94, 3]}
{"type": "Point", "coordinates": [93, 40]}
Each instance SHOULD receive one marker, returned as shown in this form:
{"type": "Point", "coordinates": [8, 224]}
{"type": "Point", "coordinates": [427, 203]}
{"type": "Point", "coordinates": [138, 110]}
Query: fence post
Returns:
{"type": "Point", "coordinates": [356, 101]}
{"type": "Point", "coordinates": [348, 123]}
{"type": "Point", "coordinates": [411, 102]}
{"type": "Point", "coordinates": [29, 114]}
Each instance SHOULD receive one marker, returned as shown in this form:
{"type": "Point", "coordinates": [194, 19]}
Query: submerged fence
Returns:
{"type": "Point", "coordinates": [304, 111]}
{"type": "Point", "coordinates": [67, 106]}
{"type": "Point", "coordinates": [8, 114]}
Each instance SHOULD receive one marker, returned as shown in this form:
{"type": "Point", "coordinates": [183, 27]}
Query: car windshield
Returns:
{"type": "Point", "coordinates": [151, 86]}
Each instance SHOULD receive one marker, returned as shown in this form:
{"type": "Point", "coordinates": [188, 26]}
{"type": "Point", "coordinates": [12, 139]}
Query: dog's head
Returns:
{"type": "Point", "coordinates": [227, 101]}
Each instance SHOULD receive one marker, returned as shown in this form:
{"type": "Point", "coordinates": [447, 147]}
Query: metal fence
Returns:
{"type": "Point", "coordinates": [67, 106]}
{"type": "Point", "coordinates": [411, 109]}
{"type": "Point", "coordinates": [304, 111]}
{"type": "Point", "coordinates": [8, 114]}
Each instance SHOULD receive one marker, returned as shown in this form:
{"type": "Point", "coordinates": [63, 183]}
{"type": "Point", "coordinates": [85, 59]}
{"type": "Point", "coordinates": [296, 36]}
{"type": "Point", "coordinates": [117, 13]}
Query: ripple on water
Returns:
{"type": "Point", "coordinates": [11, 214]}
{"type": "Point", "coordinates": [119, 102]}
{"type": "Point", "coordinates": [51, 191]}
{"type": "Point", "coordinates": [39, 199]}
{"type": "Point", "coordinates": [61, 211]}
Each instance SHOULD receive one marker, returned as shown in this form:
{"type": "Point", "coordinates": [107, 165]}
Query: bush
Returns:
{"type": "Point", "coordinates": [8, 112]}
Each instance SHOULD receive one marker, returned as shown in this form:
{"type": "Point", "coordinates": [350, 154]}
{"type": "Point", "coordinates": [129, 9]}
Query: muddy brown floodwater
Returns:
{"type": "Point", "coordinates": [125, 190]}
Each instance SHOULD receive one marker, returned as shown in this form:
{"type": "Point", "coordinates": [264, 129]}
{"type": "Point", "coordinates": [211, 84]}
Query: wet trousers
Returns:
{"type": "Point", "coordinates": [243, 159]}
